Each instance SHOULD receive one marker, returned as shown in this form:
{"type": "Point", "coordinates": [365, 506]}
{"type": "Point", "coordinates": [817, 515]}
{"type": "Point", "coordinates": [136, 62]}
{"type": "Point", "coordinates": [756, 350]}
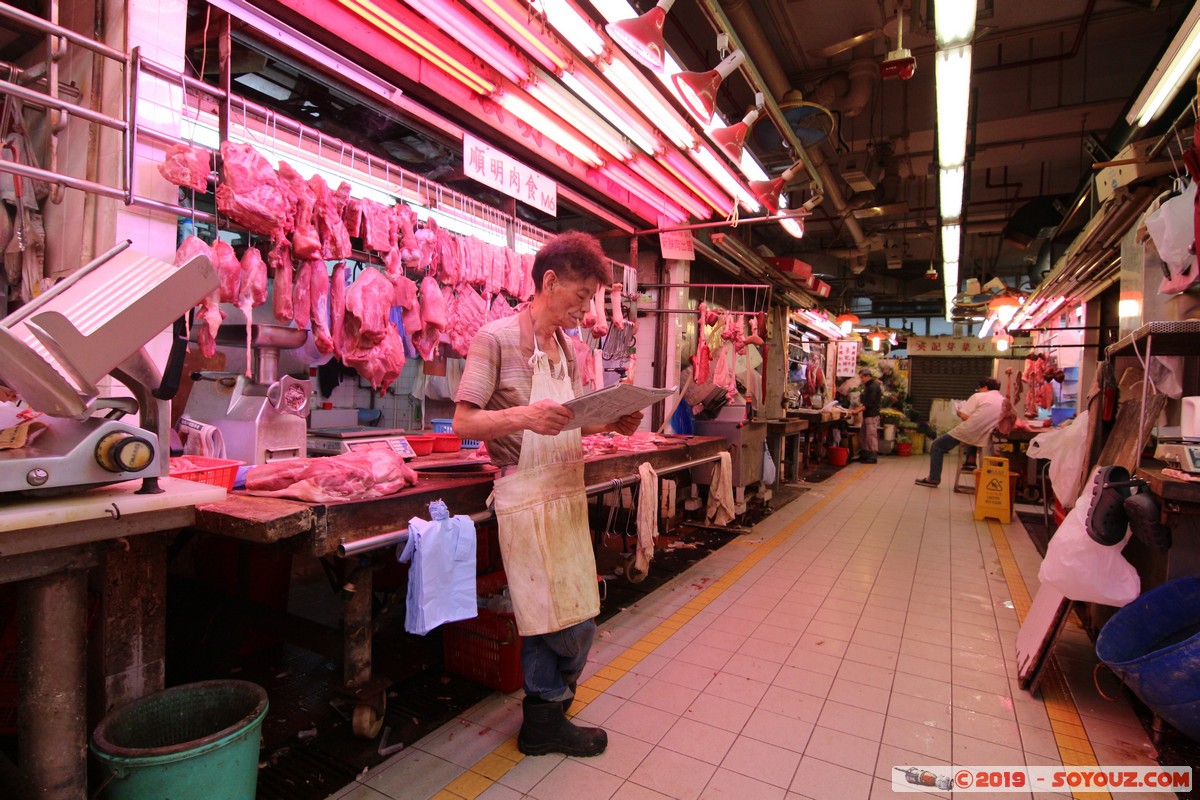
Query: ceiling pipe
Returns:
{"type": "Point", "coordinates": [759, 53]}
{"type": "Point", "coordinates": [1031, 62]}
{"type": "Point", "coordinates": [847, 91]}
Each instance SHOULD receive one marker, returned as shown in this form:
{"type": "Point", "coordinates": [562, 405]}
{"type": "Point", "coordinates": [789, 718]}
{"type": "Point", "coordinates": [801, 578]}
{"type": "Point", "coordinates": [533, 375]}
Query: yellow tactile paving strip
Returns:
{"type": "Point", "coordinates": [1074, 747]}
{"type": "Point", "coordinates": [489, 769]}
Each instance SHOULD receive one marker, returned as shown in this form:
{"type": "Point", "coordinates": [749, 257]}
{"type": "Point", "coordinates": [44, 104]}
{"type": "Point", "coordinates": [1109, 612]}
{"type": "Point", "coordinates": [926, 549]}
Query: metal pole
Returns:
{"type": "Point", "coordinates": [794, 214]}
{"type": "Point", "coordinates": [41, 25]}
{"type": "Point", "coordinates": [34, 96]}
{"type": "Point", "coordinates": [52, 714]}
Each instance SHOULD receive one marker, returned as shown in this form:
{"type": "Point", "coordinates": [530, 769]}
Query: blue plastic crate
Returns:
{"type": "Point", "coordinates": [447, 426]}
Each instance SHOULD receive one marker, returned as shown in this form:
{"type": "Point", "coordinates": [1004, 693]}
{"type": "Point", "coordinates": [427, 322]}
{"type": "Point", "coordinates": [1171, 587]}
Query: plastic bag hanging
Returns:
{"type": "Point", "coordinates": [441, 578]}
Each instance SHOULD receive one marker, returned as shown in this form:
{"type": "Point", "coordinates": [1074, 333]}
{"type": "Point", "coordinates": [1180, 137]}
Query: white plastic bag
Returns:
{"type": "Point", "coordinates": [1083, 569]}
{"type": "Point", "coordinates": [768, 474]}
{"type": "Point", "coordinates": [1064, 449]}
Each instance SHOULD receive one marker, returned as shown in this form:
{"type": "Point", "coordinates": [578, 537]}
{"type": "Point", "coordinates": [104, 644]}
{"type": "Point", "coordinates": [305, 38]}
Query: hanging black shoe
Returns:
{"type": "Point", "coordinates": [546, 729]}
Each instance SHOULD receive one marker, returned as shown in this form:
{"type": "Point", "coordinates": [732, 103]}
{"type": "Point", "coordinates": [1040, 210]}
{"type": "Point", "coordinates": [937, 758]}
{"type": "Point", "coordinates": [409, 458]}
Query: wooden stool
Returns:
{"type": "Point", "coordinates": [851, 441]}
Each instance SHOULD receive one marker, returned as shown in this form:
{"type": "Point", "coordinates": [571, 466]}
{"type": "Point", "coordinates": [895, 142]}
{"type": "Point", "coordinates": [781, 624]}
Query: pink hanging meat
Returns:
{"type": "Point", "coordinates": [280, 262]}
{"type": "Point", "coordinates": [337, 306]}
{"type": "Point", "coordinates": [306, 244]}
{"type": "Point", "coordinates": [229, 270]}
{"type": "Point", "coordinates": [433, 304]}
{"type": "Point", "coordinates": [250, 192]}
{"type": "Point", "coordinates": [353, 217]}
{"type": "Point", "coordinates": [379, 364]}
{"type": "Point", "coordinates": [210, 315]}
{"type": "Point", "coordinates": [368, 305]}
{"type": "Point", "coordinates": [466, 316]}
{"type": "Point", "coordinates": [376, 226]}
{"type": "Point", "coordinates": [322, 337]}
{"type": "Point", "coordinates": [187, 166]}
{"type": "Point", "coordinates": [302, 294]}
{"type": "Point", "coordinates": [252, 293]}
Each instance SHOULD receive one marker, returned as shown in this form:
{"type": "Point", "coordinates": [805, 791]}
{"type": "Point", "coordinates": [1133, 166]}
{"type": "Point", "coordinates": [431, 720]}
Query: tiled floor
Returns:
{"type": "Point", "coordinates": [868, 625]}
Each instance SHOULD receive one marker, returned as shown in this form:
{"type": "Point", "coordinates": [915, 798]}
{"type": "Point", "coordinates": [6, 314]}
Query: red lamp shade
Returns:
{"type": "Point", "coordinates": [642, 37]}
{"type": "Point", "coordinates": [699, 89]}
{"type": "Point", "coordinates": [733, 138]}
{"type": "Point", "coordinates": [767, 192]}
{"type": "Point", "coordinates": [846, 322]}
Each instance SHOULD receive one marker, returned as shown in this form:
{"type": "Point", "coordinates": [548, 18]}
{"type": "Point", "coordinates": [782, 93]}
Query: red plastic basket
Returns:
{"type": "Point", "coordinates": [486, 650]}
{"type": "Point", "coordinates": [204, 469]}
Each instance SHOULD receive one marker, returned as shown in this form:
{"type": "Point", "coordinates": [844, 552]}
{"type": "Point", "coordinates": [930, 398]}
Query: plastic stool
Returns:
{"type": "Point", "coordinates": [969, 486]}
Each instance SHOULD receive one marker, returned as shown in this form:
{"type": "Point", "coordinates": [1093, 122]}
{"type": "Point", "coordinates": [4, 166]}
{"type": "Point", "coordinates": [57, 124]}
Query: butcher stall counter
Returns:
{"type": "Point", "coordinates": [48, 545]}
{"type": "Point", "coordinates": [352, 531]}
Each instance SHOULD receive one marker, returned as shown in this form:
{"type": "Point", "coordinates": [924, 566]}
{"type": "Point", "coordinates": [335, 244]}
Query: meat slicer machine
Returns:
{"type": "Point", "coordinates": [262, 417]}
{"type": "Point", "coordinates": [56, 349]}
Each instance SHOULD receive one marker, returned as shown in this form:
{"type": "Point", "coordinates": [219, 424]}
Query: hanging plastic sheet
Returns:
{"type": "Point", "coordinates": [441, 580]}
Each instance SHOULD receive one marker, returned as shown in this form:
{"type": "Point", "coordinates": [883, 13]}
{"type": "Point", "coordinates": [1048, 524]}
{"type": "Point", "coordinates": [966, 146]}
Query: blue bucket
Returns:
{"type": "Point", "coordinates": [1153, 645]}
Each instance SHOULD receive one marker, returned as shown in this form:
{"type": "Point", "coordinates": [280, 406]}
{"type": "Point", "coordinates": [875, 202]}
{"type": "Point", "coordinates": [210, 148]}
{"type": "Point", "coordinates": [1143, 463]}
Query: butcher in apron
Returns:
{"type": "Point", "coordinates": [519, 372]}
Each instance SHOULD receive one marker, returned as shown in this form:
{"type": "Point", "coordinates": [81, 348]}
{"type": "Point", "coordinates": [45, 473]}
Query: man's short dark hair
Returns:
{"type": "Point", "coordinates": [573, 256]}
{"type": "Point", "coordinates": [990, 383]}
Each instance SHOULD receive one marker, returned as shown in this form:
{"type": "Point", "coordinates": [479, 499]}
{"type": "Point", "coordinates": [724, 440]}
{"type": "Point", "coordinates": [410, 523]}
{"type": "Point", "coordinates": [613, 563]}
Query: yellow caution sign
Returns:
{"type": "Point", "coordinates": [992, 498]}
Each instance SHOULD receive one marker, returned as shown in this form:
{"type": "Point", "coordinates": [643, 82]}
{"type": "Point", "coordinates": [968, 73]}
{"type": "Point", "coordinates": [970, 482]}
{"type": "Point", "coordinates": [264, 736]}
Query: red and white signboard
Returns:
{"type": "Point", "coordinates": [504, 173]}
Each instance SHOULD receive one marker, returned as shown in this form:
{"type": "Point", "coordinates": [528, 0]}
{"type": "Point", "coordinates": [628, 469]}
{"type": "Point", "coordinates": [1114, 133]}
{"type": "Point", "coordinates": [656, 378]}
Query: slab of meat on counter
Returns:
{"type": "Point", "coordinates": [250, 192]}
{"type": "Point", "coordinates": [361, 475]}
{"type": "Point", "coordinates": [187, 166]}
{"type": "Point", "coordinates": [600, 444]}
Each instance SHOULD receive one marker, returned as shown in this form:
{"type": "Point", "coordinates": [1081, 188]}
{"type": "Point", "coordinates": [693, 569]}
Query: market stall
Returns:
{"type": "Point", "coordinates": [353, 531]}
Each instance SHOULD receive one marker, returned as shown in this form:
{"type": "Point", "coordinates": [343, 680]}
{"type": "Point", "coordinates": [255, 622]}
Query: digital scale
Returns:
{"type": "Point", "coordinates": [335, 441]}
{"type": "Point", "coordinates": [1182, 454]}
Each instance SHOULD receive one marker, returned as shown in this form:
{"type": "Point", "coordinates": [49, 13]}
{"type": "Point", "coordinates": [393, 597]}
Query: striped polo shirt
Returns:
{"type": "Point", "coordinates": [498, 375]}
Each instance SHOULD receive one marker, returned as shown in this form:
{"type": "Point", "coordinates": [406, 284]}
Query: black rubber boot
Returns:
{"type": "Point", "coordinates": [546, 729]}
{"type": "Point", "coordinates": [567, 703]}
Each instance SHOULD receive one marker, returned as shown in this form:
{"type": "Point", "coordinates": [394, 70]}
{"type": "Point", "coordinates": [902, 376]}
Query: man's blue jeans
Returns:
{"type": "Point", "coordinates": [553, 660]}
{"type": "Point", "coordinates": [937, 451]}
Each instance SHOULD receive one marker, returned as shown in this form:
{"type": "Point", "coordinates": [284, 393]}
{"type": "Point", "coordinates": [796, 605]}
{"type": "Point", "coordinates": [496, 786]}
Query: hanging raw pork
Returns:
{"type": "Point", "coordinates": [280, 262]}
{"type": "Point", "coordinates": [406, 297]}
{"type": "Point", "coordinates": [306, 244]}
{"type": "Point", "coordinates": [335, 241]}
{"type": "Point", "coordinates": [353, 218]}
{"type": "Point", "coordinates": [376, 226]}
{"type": "Point", "coordinates": [229, 270]}
{"type": "Point", "coordinates": [250, 192]}
{"type": "Point", "coordinates": [600, 326]}
{"type": "Point", "coordinates": [252, 292]}
{"type": "Point", "coordinates": [368, 304]}
{"type": "Point", "coordinates": [187, 166]}
{"type": "Point", "coordinates": [322, 337]}
{"type": "Point", "coordinates": [499, 309]}
{"type": "Point", "coordinates": [210, 315]}
{"type": "Point", "coordinates": [337, 306]}
{"type": "Point", "coordinates": [302, 294]}
{"type": "Point", "coordinates": [433, 304]}
{"type": "Point", "coordinates": [379, 364]}
{"type": "Point", "coordinates": [406, 223]}
{"type": "Point", "coordinates": [466, 312]}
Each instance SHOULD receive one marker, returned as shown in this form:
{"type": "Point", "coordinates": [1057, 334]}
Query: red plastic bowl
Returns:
{"type": "Point", "coordinates": [446, 442]}
{"type": "Point", "coordinates": [421, 445]}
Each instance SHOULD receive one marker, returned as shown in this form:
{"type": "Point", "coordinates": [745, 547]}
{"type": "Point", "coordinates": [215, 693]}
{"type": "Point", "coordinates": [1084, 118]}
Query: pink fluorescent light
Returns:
{"type": "Point", "coordinates": [516, 21]}
{"type": "Point", "coordinates": [649, 103]}
{"type": "Point", "coordinates": [543, 123]}
{"type": "Point", "coordinates": [671, 186]}
{"type": "Point", "coordinates": [592, 91]}
{"type": "Point", "coordinates": [582, 118]}
{"type": "Point", "coordinates": [717, 170]}
{"type": "Point", "coordinates": [697, 181]}
{"type": "Point", "coordinates": [575, 28]}
{"type": "Point", "coordinates": [468, 28]}
{"type": "Point", "coordinates": [635, 185]}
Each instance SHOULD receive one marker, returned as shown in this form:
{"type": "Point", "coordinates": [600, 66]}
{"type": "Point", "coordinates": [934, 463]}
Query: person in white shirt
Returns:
{"type": "Point", "coordinates": [980, 414]}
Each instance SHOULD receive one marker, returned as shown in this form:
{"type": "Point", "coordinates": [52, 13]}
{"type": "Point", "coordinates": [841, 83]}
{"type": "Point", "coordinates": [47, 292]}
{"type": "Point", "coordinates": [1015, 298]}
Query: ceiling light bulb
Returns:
{"type": "Point", "coordinates": [876, 343]}
{"type": "Point", "coordinates": [642, 37]}
{"type": "Point", "coordinates": [732, 139]}
{"type": "Point", "coordinates": [1001, 340]}
{"type": "Point", "coordinates": [793, 226]}
{"type": "Point", "coordinates": [951, 242]}
{"type": "Point", "coordinates": [950, 193]}
{"type": "Point", "coordinates": [953, 92]}
{"type": "Point", "coordinates": [1177, 64]}
{"type": "Point", "coordinates": [698, 90]}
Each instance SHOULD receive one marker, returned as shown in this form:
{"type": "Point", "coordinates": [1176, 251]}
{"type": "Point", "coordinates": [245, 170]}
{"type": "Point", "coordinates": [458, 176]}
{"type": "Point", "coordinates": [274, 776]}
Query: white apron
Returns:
{"type": "Point", "coordinates": [541, 512]}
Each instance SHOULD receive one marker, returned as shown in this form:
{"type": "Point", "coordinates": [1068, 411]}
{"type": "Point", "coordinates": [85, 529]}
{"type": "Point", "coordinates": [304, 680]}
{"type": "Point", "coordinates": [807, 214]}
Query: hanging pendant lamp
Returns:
{"type": "Point", "coordinates": [846, 322]}
{"type": "Point", "coordinates": [699, 89]}
{"type": "Point", "coordinates": [642, 37]}
{"type": "Point", "coordinates": [732, 139]}
{"type": "Point", "coordinates": [767, 192]}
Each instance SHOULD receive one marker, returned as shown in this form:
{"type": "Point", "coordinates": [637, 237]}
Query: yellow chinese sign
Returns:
{"type": "Point", "coordinates": [959, 346]}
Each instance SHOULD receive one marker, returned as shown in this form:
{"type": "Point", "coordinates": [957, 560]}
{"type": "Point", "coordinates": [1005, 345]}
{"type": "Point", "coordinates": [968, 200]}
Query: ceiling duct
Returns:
{"type": "Point", "coordinates": [758, 50]}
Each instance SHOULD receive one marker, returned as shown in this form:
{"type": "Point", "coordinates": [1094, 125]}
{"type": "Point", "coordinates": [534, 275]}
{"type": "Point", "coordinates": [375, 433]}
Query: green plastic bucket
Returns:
{"type": "Point", "coordinates": [194, 742]}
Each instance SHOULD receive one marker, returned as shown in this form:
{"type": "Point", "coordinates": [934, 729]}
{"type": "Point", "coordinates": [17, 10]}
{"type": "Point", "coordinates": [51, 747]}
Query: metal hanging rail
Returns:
{"type": "Point", "coordinates": [346, 549]}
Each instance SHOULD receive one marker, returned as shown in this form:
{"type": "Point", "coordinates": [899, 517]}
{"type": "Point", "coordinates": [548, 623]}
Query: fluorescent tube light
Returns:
{"type": "Point", "coordinates": [574, 27]}
{"type": "Point", "coordinates": [954, 22]}
{"type": "Point", "coordinates": [951, 242]}
{"type": "Point", "coordinates": [585, 86]}
{"type": "Point", "coordinates": [953, 87]}
{"type": "Point", "coordinates": [950, 192]}
{"type": "Point", "coordinates": [1177, 64]}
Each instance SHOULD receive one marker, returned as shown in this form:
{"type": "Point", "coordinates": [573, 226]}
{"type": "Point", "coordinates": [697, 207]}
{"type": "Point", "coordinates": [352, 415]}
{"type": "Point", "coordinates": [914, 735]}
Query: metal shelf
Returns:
{"type": "Point", "coordinates": [1161, 338]}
